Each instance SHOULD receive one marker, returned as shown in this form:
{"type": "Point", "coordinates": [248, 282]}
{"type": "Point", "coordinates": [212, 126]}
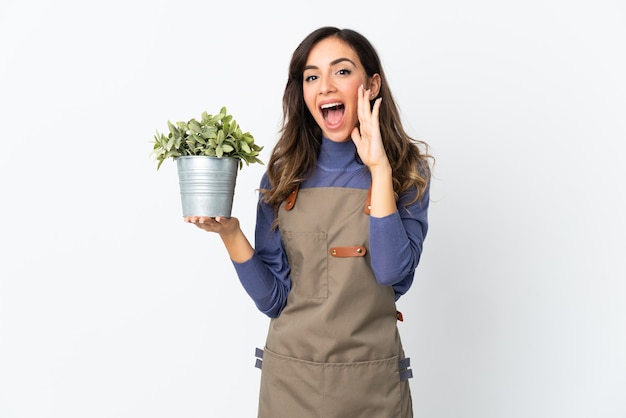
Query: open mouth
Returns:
{"type": "Point", "coordinates": [332, 112]}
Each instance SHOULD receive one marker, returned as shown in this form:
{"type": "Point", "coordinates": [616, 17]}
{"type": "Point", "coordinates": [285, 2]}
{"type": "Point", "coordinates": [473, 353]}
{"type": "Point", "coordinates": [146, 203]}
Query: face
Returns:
{"type": "Point", "coordinates": [332, 76]}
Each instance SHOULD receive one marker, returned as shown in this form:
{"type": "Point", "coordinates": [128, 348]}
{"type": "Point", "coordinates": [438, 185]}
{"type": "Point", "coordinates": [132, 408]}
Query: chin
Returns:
{"type": "Point", "coordinates": [338, 138]}
{"type": "Point", "coordinates": [338, 135]}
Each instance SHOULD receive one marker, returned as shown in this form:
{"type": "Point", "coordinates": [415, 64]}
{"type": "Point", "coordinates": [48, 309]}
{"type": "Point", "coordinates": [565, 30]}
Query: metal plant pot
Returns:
{"type": "Point", "coordinates": [207, 185]}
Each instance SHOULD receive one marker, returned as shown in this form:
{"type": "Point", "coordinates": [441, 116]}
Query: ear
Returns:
{"type": "Point", "coordinates": [374, 85]}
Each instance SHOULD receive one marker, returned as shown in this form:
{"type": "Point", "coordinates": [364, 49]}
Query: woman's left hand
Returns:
{"type": "Point", "coordinates": [366, 136]}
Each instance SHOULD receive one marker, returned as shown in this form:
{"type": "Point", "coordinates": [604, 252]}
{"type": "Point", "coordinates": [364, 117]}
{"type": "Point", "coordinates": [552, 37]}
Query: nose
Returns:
{"type": "Point", "coordinates": [326, 85]}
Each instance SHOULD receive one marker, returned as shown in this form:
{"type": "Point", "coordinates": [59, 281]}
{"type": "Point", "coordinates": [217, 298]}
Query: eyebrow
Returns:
{"type": "Point", "coordinates": [334, 62]}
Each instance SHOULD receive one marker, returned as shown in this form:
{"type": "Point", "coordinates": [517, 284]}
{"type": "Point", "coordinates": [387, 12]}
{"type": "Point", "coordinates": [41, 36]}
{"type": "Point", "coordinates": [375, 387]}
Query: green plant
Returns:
{"type": "Point", "coordinates": [213, 135]}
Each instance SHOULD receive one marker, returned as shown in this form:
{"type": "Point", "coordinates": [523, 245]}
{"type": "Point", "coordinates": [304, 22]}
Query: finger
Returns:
{"type": "Point", "coordinates": [355, 135]}
{"type": "Point", "coordinates": [199, 219]}
{"type": "Point", "coordinates": [376, 112]}
{"type": "Point", "coordinates": [376, 107]}
{"type": "Point", "coordinates": [361, 102]}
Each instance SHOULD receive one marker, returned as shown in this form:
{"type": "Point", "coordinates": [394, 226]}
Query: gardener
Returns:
{"type": "Point", "coordinates": [341, 222]}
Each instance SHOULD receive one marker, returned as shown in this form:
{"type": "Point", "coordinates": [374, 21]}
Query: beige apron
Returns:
{"type": "Point", "coordinates": [335, 351]}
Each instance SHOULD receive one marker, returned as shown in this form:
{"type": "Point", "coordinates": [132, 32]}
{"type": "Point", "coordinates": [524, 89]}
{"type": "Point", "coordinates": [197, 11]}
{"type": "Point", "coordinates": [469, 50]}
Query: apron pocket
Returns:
{"type": "Point", "coordinates": [363, 389]}
{"type": "Point", "coordinates": [307, 255]}
{"type": "Point", "coordinates": [296, 388]}
{"type": "Point", "coordinates": [290, 388]}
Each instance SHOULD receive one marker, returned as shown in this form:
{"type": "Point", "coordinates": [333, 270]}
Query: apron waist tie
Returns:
{"type": "Point", "coordinates": [404, 368]}
{"type": "Point", "coordinates": [259, 358]}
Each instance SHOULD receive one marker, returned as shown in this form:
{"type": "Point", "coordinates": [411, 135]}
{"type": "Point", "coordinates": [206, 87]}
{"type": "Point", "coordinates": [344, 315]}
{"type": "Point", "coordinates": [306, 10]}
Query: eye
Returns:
{"type": "Point", "coordinates": [344, 71]}
{"type": "Point", "coordinates": [310, 78]}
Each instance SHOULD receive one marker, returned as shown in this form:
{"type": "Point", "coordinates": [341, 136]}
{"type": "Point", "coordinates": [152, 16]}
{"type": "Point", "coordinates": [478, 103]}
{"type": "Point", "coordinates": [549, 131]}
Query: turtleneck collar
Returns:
{"type": "Point", "coordinates": [338, 156]}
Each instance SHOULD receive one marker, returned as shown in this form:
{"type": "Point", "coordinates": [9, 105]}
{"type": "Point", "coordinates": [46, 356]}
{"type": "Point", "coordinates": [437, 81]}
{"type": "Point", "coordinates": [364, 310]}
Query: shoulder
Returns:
{"type": "Point", "coordinates": [265, 181]}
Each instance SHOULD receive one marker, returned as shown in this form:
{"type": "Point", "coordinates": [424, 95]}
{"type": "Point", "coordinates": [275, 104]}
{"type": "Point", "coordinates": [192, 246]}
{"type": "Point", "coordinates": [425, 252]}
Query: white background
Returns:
{"type": "Point", "coordinates": [112, 306]}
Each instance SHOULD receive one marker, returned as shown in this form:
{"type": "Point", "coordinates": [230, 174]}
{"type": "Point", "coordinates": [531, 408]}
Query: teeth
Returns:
{"type": "Point", "coordinates": [329, 105]}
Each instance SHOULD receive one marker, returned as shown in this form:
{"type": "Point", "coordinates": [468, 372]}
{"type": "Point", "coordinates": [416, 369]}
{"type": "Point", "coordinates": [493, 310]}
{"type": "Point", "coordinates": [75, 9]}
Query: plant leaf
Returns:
{"type": "Point", "coordinates": [194, 126]}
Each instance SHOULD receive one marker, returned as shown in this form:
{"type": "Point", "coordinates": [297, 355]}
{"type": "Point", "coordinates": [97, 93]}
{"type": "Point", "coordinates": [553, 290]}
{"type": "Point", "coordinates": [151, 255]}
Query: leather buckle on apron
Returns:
{"type": "Point", "coordinates": [353, 251]}
{"type": "Point", "coordinates": [291, 199]}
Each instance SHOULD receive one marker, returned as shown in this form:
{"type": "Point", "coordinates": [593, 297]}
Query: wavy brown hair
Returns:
{"type": "Point", "coordinates": [295, 155]}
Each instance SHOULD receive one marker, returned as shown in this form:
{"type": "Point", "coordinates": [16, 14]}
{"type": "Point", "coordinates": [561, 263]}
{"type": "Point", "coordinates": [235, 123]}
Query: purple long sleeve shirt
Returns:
{"type": "Point", "coordinates": [396, 240]}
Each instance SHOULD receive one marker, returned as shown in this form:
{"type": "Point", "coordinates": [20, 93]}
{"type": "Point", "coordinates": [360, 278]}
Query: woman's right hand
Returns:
{"type": "Point", "coordinates": [237, 245]}
{"type": "Point", "coordinates": [219, 224]}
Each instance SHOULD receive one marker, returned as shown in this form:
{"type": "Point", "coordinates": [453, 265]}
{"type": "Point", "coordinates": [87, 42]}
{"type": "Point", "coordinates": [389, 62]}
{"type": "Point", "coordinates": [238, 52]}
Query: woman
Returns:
{"type": "Point", "coordinates": [341, 221]}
